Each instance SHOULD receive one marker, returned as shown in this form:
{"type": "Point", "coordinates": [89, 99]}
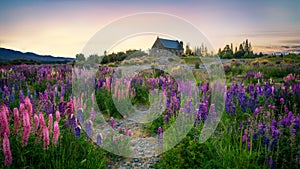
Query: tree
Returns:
{"type": "Point", "coordinates": [205, 51]}
{"type": "Point", "coordinates": [188, 51]}
{"type": "Point", "coordinates": [198, 51]}
{"type": "Point", "coordinates": [92, 59]}
{"type": "Point", "coordinates": [80, 57]}
{"type": "Point", "coordinates": [220, 52]}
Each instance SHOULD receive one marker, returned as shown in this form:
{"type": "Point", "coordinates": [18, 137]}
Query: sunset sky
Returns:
{"type": "Point", "coordinates": [63, 27]}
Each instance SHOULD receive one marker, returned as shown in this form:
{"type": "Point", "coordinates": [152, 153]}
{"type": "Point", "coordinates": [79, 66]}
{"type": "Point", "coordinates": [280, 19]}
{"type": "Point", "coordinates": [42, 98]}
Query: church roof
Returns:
{"type": "Point", "coordinates": [170, 44]}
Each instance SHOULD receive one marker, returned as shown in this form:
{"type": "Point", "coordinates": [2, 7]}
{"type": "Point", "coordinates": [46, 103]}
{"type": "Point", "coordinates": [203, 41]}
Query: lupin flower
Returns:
{"type": "Point", "coordinates": [22, 108]}
{"type": "Point", "coordinates": [36, 122]}
{"type": "Point", "coordinates": [244, 138]}
{"type": "Point", "coordinates": [99, 139]}
{"type": "Point", "coordinates": [6, 150]}
{"type": "Point", "coordinates": [276, 133]}
{"type": "Point", "coordinates": [256, 111]}
{"type": "Point", "coordinates": [203, 111]}
{"type": "Point", "coordinates": [129, 133]}
{"type": "Point", "coordinates": [16, 120]}
{"type": "Point", "coordinates": [166, 119]}
{"type": "Point", "coordinates": [241, 125]}
{"type": "Point", "coordinates": [62, 107]}
{"type": "Point", "coordinates": [73, 121]}
{"type": "Point", "coordinates": [57, 116]}
{"type": "Point", "coordinates": [77, 131]}
{"type": "Point", "coordinates": [92, 114]}
{"type": "Point", "coordinates": [28, 105]}
{"type": "Point", "coordinates": [55, 133]}
{"type": "Point", "coordinates": [42, 120]}
{"type": "Point", "coordinates": [126, 131]}
{"type": "Point", "coordinates": [266, 141]}
{"type": "Point", "coordinates": [249, 145]}
{"type": "Point", "coordinates": [270, 162]}
{"type": "Point", "coordinates": [46, 137]}
{"type": "Point", "coordinates": [89, 128]}
{"type": "Point", "coordinates": [281, 100]}
{"type": "Point", "coordinates": [26, 125]}
{"type": "Point", "coordinates": [112, 122]}
{"type": "Point", "coordinates": [160, 134]}
{"type": "Point", "coordinates": [21, 97]}
{"type": "Point", "coordinates": [50, 123]}
{"type": "Point", "coordinates": [70, 107]}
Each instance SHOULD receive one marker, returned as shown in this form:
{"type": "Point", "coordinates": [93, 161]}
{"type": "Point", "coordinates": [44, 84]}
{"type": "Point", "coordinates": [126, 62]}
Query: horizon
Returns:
{"type": "Point", "coordinates": [62, 28]}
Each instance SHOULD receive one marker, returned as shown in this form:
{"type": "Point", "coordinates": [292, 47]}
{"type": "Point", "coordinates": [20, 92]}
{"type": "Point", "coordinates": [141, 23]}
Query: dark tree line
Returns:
{"type": "Point", "coordinates": [243, 51]}
{"type": "Point", "coordinates": [109, 58]}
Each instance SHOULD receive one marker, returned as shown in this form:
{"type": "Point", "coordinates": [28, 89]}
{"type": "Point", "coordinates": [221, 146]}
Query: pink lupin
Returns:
{"type": "Point", "coordinates": [6, 150]}
{"type": "Point", "coordinates": [16, 120]}
{"type": "Point", "coordinates": [6, 111]}
{"type": "Point", "coordinates": [22, 108]}
{"type": "Point", "coordinates": [28, 105]}
{"type": "Point", "coordinates": [57, 116]}
{"type": "Point", "coordinates": [55, 133]}
{"type": "Point", "coordinates": [165, 92]}
{"type": "Point", "coordinates": [36, 122]}
{"type": "Point", "coordinates": [108, 83]}
{"type": "Point", "coordinates": [50, 123]}
{"type": "Point", "coordinates": [4, 121]}
{"type": "Point", "coordinates": [41, 120]}
{"type": "Point", "coordinates": [46, 137]}
{"type": "Point", "coordinates": [26, 125]}
{"type": "Point", "coordinates": [112, 122]}
{"type": "Point", "coordinates": [127, 132]}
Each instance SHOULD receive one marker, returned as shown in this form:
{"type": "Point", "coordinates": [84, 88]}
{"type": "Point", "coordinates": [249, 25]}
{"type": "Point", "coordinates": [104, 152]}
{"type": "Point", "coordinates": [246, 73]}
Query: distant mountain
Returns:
{"type": "Point", "coordinates": [9, 55]}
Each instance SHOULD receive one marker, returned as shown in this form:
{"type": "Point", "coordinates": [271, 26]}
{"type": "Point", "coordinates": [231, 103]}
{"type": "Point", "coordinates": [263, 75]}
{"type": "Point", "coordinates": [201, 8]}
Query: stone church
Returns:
{"type": "Point", "coordinates": [174, 46]}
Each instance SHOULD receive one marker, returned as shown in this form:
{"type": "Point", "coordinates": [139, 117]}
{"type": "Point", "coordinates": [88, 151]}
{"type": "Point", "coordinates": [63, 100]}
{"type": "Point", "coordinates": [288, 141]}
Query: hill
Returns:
{"type": "Point", "coordinates": [9, 55]}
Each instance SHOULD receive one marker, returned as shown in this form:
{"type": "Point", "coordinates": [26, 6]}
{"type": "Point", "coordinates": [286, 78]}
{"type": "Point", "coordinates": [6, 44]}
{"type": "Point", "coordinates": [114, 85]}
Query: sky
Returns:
{"type": "Point", "coordinates": [64, 27]}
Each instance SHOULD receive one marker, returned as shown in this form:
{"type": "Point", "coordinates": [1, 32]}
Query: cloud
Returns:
{"type": "Point", "coordinates": [262, 34]}
{"type": "Point", "coordinates": [282, 49]}
{"type": "Point", "coordinates": [291, 41]}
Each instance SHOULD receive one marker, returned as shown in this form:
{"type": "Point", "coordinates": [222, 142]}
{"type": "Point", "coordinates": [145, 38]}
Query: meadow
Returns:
{"type": "Point", "coordinates": [43, 125]}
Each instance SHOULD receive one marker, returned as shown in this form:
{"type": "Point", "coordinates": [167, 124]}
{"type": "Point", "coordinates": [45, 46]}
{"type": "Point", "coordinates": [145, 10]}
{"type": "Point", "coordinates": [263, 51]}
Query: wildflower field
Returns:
{"type": "Point", "coordinates": [44, 125]}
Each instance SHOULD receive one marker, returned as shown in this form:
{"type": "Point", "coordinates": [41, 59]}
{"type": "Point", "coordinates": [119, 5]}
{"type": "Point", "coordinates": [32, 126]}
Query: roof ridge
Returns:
{"type": "Point", "coordinates": [168, 39]}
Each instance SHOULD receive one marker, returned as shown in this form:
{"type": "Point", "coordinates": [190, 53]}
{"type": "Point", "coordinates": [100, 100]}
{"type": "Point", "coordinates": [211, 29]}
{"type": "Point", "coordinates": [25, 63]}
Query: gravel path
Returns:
{"type": "Point", "coordinates": [142, 146]}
